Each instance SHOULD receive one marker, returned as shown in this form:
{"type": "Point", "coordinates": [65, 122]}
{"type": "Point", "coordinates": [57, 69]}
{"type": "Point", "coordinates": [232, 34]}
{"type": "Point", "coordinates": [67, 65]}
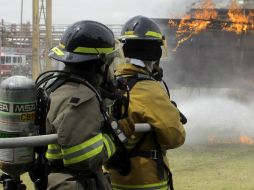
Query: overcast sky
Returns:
{"type": "Point", "coordinates": [106, 11]}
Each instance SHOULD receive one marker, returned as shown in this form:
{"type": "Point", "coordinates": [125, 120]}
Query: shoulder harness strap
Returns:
{"type": "Point", "coordinates": [124, 85]}
{"type": "Point", "coordinates": [133, 79]}
{"type": "Point", "coordinates": [60, 78]}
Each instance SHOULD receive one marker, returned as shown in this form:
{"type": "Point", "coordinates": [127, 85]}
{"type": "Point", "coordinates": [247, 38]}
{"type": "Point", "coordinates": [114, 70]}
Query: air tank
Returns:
{"type": "Point", "coordinates": [17, 114]}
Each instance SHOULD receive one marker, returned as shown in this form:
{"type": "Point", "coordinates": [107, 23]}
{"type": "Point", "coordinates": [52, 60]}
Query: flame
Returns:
{"type": "Point", "coordinates": [240, 21]}
{"type": "Point", "coordinates": [202, 16]}
{"type": "Point", "coordinates": [251, 19]}
{"type": "Point", "coordinates": [243, 139]}
{"type": "Point", "coordinates": [246, 140]}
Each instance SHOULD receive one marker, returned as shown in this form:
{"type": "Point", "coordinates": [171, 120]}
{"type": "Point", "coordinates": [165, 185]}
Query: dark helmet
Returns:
{"type": "Point", "coordinates": [142, 39]}
{"type": "Point", "coordinates": [141, 28]}
{"type": "Point", "coordinates": [84, 41]}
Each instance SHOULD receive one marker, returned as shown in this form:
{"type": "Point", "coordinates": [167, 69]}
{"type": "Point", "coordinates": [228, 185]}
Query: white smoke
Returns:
{"type": "Point", "coordinates": [106, 11]}
{"type": "Point", "coordinates": [225, 113]}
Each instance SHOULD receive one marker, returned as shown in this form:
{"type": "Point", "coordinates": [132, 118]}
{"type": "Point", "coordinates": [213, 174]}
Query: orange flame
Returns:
{"type": "Point", "coordinates": [202, 16]}
{"type": "Point", "coordinates": [246, 140]}
{"type": "Point", "coordinates": [243, 139]}
{"type": "Point", "coordinates": [238, 19]}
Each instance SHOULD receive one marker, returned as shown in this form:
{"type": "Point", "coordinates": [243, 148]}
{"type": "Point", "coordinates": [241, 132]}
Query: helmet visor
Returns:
{"type": "Point", "coordinates": [112, 59]}
{"type": "Point", "coordinates": [115, 57]}
{"type": "Point", "coordinates": [164, 49]}
{"type": "Point", "coordinates": [59, 54]}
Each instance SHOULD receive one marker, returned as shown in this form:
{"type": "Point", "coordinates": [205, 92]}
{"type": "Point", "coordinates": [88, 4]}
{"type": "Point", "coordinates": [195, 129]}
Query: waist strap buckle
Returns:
{"type": "Point", "coordinates": [154, 154]}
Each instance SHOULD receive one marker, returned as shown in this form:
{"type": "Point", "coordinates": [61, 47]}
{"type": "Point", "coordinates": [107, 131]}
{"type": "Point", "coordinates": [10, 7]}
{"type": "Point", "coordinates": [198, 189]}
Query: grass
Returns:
{"type": "Point", "coordinates": [213, 167]}
{"type": "Point", "coordinates": [207, 167]}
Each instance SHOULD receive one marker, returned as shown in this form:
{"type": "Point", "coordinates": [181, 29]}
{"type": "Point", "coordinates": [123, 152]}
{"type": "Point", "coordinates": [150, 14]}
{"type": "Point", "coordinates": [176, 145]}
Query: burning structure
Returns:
{"type": "Point", "coordinates": [211, 47]}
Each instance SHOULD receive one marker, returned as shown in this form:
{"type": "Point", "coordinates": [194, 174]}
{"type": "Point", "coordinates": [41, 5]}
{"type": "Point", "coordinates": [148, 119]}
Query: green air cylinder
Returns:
{"type": "Point", "coordinates": [17, 114]}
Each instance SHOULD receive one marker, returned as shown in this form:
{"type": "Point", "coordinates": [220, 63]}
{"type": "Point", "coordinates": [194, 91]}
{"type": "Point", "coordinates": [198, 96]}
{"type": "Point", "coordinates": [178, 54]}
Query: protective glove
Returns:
{"type": "Point", "coordinates": [39, 174]}
{"type": "Point", "coordinates": [183, 119]}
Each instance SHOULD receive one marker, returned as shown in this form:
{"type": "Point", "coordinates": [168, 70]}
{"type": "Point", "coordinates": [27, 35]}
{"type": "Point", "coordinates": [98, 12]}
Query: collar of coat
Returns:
{"type": "Point", "coordinates": [129, 69]}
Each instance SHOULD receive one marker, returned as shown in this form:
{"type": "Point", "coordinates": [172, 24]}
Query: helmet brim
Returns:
{"type": "Point", "coordinates": [59, 54]}
{"type": "Point", "coordinates": [124, 39]}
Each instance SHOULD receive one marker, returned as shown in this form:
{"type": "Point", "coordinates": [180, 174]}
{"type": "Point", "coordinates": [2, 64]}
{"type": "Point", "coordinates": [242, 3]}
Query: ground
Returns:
{"type": "Point", "coordinates": [213, 167]}
{"type": "Point", "coordinates": [208, 167]}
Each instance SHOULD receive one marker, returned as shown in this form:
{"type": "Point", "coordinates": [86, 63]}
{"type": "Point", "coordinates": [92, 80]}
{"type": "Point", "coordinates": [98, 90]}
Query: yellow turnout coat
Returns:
{"type": "Point", "coordinates": [149, 103]}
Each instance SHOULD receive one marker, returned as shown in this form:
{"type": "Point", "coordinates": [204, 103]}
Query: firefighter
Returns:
{"type": "Point", "coordinates": [87, 49]}
{"type": "Point", "coordinates": [148, 103]}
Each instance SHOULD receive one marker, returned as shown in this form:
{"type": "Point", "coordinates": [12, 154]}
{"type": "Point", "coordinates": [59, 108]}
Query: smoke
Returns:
{"type": "Point", "coordinates": [179, 8]}
{"type": "Point", "coordinates": [118, 12]}
{"type": "Point", "coordinates": [223, 113]}
{"type": "Point", "coordinates": [215, 64]}
{"type": "Point", "coordinates": [107, 11]}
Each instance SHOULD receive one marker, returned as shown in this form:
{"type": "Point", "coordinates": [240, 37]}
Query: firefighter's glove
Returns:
{"type": "Point", "coordinates": [39, 174]}
{"type": "Point", "coordinates": [120, 162]}
{"type": "Point", "coordinates": [183, 119]}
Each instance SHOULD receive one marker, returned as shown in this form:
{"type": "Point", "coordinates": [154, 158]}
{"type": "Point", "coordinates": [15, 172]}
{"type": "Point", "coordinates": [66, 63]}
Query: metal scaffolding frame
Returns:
{"type": "Point", "coordinates": [42, 26]}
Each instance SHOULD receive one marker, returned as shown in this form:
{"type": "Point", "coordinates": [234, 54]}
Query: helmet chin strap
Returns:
{"type": "Point", "coordinates": [107, 82]}
{"type": "Point", "coordinates": [105, 74]}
